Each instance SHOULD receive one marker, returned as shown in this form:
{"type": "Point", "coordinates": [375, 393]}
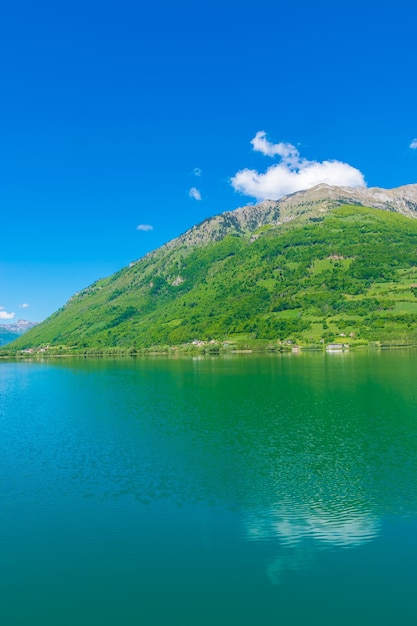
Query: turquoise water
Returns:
{"type": "Point", "coordinates": [225, 491]}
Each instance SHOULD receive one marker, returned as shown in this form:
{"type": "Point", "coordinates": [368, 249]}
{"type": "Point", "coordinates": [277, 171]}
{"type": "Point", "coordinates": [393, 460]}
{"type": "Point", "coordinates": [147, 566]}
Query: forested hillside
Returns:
{"type": "Point", "coordinates": [350, 273]}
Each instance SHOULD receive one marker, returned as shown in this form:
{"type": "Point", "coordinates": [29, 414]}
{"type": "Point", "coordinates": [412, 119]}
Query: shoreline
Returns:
{"type": "Point", "coordinates": [208, 350]}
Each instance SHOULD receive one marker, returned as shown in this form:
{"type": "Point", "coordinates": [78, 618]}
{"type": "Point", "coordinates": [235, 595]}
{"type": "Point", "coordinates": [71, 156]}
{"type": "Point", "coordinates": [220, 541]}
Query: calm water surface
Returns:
{"type": "Point", "coordinates": [223, 491]}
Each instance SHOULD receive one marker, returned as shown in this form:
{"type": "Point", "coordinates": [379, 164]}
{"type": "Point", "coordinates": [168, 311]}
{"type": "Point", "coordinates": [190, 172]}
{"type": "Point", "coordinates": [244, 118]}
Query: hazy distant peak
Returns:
{"type": "Point", "coordinates": [20, 326]}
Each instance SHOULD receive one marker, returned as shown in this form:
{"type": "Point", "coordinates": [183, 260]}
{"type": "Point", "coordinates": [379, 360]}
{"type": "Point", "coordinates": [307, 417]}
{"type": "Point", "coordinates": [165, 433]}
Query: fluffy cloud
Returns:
{"type": "Point", "coordinates": [4, 315]}
{"type": "Point", "coordinates": [197, 171]}
{"type": "Point", "coordinates": [286, 151]}
{"type": "Point", "coordinates": [293, 173]}
{"type": "Point", "coordinates": [144, 227]}
{"type": "Point", "coordinates": [413, 144]}
{"type": "Point", "coordinates": [194, 193]}
{"type": "Point", "coordinates": [24, 306]}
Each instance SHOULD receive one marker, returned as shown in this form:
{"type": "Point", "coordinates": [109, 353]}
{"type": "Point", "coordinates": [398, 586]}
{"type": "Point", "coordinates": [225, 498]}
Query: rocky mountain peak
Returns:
{"type": "Point", "coordinates": [311, 202]}
{"type": "Point", "coordinates": [20, 326]}
{"type": "Point", "coordinates": [400, 199]}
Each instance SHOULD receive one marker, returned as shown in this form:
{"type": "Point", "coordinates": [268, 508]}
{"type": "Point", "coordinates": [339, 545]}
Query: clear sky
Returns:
{"type": "Point", "coordinates": [127, 114]}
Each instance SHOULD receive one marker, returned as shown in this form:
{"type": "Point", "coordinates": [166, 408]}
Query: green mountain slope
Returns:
{"type": "Point", "coordinates": [348, 271]}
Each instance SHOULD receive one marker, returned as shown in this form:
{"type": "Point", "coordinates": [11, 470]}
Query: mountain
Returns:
{"type": "Point", "coordinates": [311, 202]}
{"type": "Point", "coordinates": [322, 265]}
{"type": "Point", "coordinates": [19, 327]}
{"type": "Point", "coordinates": [6, 336]}
{"type": "Point", "coordinates": [10, 332]}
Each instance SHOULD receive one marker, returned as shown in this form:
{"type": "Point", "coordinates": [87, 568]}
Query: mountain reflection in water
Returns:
{"type": "Point", "coordinates": [298, 445]}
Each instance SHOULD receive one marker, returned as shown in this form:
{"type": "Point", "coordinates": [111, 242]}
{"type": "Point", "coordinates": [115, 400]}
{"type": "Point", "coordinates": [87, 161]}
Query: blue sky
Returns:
{"type": "Point", "coordinates": [122, 114]}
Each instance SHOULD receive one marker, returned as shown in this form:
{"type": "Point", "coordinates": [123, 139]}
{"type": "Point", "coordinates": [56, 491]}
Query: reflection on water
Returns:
{"type": "Point", "coordinates": [297, 559]}
{"type": "Point", "coordinates": [300, 532]}
{"type": "Point", "coordinates": [307, 447]}
{"type": "Point", "coordinates": [342, 528]}
{"type": "Point", "coordinates": [284, 456]}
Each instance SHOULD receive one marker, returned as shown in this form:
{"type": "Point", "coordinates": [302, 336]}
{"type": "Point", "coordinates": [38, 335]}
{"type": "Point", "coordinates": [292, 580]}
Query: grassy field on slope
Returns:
{"type": "Point", "coordinates": [351, 273]}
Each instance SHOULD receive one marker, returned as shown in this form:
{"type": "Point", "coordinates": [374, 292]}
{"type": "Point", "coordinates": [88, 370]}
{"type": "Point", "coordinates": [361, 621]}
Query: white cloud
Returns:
{"type": "Point", "coordinates": [286, 151]}
{"type": "Point", "coordinates": [144, 227]}
{"type": "Point", "coordinates": [4, 315]}
{"type": "Point", "coordinates": [197, 171]}
{"type": "Point", "coordinates": [24, 306]}
{"type": "Point", "coordinates": [293, 173]}
{"type": "Point", "coordinates": [413, 144]}
{"type": "Point", "coordinates": [194, 193]}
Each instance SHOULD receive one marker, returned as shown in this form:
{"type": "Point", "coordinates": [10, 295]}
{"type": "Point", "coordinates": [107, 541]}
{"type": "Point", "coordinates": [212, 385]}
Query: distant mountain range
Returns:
{"type": "Point", "coordinates": [330, 264]}
{"type": "Point", "coordinates": [10, 332]}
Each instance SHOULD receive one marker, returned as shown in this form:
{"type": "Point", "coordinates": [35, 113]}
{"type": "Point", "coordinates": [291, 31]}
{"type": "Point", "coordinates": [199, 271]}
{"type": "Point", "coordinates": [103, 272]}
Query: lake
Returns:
{"type": "Point", "coordinates": [245, 490]}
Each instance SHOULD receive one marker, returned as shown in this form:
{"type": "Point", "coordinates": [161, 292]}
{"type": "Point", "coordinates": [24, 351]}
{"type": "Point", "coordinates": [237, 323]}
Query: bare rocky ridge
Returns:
{"type": "Point", "coordinates": [399, 200]}
{"type": "Point", "coordinates": [311, 203]}
{"type": "Point", "coordinates": [243, 220]}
